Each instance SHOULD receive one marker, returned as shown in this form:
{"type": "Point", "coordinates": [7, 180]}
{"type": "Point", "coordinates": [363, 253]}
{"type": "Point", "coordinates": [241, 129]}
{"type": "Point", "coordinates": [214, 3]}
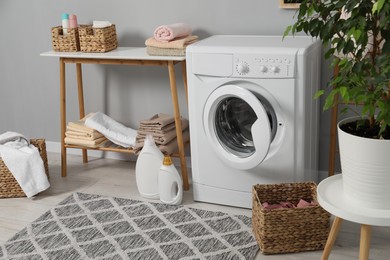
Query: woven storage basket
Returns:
{"type": "Point", "coordinates": [97, 39]}
{"type": "Point", "coordinates": [288, 230]}
{"type": "Point", "coordinates": [9, 187]}
{"type": "Point", "coordinates": [66, 43]}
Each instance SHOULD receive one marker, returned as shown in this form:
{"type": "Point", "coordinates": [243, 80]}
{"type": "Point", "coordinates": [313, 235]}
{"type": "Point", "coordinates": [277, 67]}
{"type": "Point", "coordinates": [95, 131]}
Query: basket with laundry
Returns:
{"type": "Point", "coordinates": [170, 40]}
{"type": "Point", "coordinates": [24, 169]}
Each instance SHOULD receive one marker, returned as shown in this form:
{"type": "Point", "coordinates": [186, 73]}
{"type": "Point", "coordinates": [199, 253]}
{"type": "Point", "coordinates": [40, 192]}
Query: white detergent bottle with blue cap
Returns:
{"type": "Point", "coordinates": [147, 168]}
{"type": "Point", "coordinates": [170, 184]}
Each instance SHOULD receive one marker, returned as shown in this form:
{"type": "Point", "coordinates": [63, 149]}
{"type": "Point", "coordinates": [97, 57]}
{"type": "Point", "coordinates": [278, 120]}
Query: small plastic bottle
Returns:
{"type": "Point", "coordinates": [170, 184]}
{"type": "Point", "coordinates": [147, 168]}
{"type": "Point", "coordinates": [72, 21]}
{"type": "Point", "coordinates": [65, 23]}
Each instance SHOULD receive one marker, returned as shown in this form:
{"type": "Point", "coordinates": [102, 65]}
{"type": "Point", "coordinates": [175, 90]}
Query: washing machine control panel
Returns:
{"type": "Point", "coordinates": [264, 66]}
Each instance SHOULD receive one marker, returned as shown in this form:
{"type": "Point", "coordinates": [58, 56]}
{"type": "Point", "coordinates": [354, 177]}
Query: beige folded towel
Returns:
{"type": "Point", "coordinates": [159, 130]}
{"type": "Point", "coordinates": [153, 129]}
{"type": "Point", "coordinates": [168, 148]}
{"type": "Point", "coordinates": [158, 121]}
{"type": "Point", "coordinates": [154, 51]}
{"type": "Point", "coordinates": [79, 126]}
{"type": "Point", "coordinates": [158, 137]}
{"type": "Point", "coordinates": [88, 143]}
{"type": "Point", "coordinates": [82, 135]}
{"type": "Point", "coordinates": [180, 43]}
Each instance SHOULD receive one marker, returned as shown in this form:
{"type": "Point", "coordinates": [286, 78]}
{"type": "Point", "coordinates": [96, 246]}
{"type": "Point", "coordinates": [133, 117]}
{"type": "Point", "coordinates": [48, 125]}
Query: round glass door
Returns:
{"type": "Point", "coordinates": [240, 125]}
{"type": "Point", "coordinates": [233, 122]}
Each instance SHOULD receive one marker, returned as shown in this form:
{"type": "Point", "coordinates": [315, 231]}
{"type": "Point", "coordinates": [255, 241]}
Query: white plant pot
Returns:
{"type": "Point", "coordinates": [365, 166]}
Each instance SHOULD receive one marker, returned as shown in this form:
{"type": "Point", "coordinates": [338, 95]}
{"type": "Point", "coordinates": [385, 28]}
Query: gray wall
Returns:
{"type": "Point", "coordinates": [29, 84]}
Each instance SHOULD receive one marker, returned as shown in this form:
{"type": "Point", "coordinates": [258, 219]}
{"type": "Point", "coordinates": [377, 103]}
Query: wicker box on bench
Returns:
{"type": "Point", "coordinates": [97, 39]}
{"type": "Point", "coordinates": [66, 43]}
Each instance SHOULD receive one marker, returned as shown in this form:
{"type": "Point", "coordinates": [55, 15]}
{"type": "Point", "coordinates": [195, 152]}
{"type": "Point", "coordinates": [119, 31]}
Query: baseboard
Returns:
{"type": "Point", "coordinates": [55, 147]}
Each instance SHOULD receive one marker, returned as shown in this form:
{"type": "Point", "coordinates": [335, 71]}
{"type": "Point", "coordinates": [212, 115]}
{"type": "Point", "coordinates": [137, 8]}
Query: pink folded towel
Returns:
{"type": "Point", "coordinates": [166, 33]}
{"type": "Point", "coordinates": [177, 43]}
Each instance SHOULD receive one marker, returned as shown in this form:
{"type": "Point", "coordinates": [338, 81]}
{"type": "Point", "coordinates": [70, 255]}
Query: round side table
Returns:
{"type": "Point", "coordinates": [330, 195]}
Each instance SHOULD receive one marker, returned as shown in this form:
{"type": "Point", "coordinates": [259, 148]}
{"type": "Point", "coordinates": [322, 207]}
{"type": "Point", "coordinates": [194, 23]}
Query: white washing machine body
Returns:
{"type": "Point", "coordinates": [252, 116]}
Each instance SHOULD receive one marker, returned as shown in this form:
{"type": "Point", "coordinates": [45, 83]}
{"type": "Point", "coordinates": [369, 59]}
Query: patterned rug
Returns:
{"type": "Point", "coordinates": [85, 226]}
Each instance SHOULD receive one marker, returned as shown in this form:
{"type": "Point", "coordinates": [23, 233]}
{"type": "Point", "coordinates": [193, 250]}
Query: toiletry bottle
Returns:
{"type": "Point", "coordinates": [65, 23]}
{"type": "Point", "coordinates": [72, 21]}
{"type": "Point", "coordinates": [170, 184]}
{"type": "Point", "coordinates": [147, 167]}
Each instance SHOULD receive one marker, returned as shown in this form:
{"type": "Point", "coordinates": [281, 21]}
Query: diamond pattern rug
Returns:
{"type": "Point", "coordinates": [85, 226]}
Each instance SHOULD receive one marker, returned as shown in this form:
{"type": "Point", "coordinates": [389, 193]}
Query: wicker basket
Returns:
{"type": "Point", "coordinates": [288, 230]}
{"type": "Point", "coordinates": [97, 39]}
{"type": "Point", "coordinates": [9, 187]}
{"type": "Point", "coordinates": [66, 43]}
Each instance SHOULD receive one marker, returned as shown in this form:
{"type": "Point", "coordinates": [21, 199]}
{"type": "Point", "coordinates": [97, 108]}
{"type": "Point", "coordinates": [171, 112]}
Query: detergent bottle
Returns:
{"type": "Point", "coordinates": [170, 184]}
{"type": "Point", "coordinates": [147, 168]}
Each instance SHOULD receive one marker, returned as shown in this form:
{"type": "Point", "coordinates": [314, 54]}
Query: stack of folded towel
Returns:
{"type": "Point", "coordinates": [77, 133]}
{"type": "Point", "coordinates": [162, 128]}
{"type": "Point", "coordinates": [170, 40]}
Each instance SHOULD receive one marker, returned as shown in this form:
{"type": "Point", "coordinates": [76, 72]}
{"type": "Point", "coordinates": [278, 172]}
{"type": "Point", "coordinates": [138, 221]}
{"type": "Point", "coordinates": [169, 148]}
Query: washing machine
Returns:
{"type": "Point", "coordinates": [253, 119]}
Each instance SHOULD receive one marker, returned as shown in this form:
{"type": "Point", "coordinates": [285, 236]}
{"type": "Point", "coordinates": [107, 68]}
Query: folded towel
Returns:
{"type": "Point", "coordinates": [158, 121]}
{"type": "Point", "coordinates": [157, 124]}
{"type": "Point", "coordinates": [24, 162]}
{"type": "Point", "coordinates": [168, 148]}
{"type": "Point", "coordinates": [79, 126]}
{"type": "Point", "coordinates": [153, 51]}
{"type": "Point", "coordinates": [180, 43]}
{"type": "Point", "coordinates": [153, 129]}
{"type": "Point", "coordinates": [100, 142]}
{"type": "Point", "coordinates": [113, 130]}
{"type": "Point", "coordinates": [81, 135]}
{"type": "Point", "coordinates": [166, 33]}
{"type": "Point", "coordinates": [159, 136]}
{"type": "Point", "coordinates": [100, 24]}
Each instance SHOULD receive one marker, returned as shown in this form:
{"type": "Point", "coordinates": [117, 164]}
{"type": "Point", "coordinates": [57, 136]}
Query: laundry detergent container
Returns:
{"type": "Point", "coordinates": [147, 167]}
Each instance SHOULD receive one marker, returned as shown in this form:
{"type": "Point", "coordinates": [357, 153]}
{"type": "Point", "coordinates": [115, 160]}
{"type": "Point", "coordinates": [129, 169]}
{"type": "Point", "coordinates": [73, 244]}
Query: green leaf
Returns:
{"type": "Point", "coordinates": [287, 31]}
{"type": "Point", "coordinates": [319, 93]}
{"type": "Point", "coordinates": [377, 7]}
{"type": "Point", "coordinates": [356, 34]}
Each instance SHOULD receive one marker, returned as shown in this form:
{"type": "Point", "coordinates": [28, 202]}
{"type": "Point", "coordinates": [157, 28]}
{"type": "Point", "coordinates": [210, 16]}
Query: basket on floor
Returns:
{"type": "Point", "coordinates": [9, 187]}
{"type": "Point", "coordinates": [67, 43]}
{"type": "Point", "coordinates": [97, 39]}
{"type": "Point", "coordinates": [288, 230]}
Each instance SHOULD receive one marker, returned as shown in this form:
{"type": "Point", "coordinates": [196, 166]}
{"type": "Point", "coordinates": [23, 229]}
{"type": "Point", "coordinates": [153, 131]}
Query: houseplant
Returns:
{"type": "Point", "coordinates": [356, 37]}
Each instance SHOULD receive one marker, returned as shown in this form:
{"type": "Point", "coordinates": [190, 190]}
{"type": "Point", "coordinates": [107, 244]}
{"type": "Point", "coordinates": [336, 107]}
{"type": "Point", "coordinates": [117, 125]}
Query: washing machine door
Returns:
{"type": "Point", "coordinates": [238, 127]}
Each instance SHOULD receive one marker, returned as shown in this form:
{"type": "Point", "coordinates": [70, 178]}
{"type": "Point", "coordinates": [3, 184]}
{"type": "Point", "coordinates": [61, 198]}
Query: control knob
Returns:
{"type": "Point", "coordinates": [263, 68]}
{"type": "Point", "coordinates": [275, 69]}
{"type": "Point", "coordinates": [242, 68]}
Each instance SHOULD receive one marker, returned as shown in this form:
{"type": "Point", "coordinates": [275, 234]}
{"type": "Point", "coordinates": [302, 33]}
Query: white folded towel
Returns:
{"type": "Point", "coordinates": [100, 24]}
{"type": "Point", "coordinates": [113, 130]}
{"type": "Point", "coordinates": [24, 162]}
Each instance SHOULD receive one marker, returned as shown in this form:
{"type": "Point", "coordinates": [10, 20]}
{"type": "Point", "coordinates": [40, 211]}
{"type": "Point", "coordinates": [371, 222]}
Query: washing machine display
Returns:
{"type": "Point", "coordinates": [252, 114]}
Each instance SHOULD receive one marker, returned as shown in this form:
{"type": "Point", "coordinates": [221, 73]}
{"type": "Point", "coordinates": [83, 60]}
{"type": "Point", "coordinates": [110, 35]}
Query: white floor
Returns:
{"type": "Point", "coordinates": [117, 178]}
